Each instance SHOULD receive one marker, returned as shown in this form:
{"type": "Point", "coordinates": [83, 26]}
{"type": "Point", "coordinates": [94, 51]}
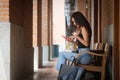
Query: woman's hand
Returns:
{"type": "Point", "coordinates": [72, 38]}
{"type": "Point", "coordinates": [69, 39]}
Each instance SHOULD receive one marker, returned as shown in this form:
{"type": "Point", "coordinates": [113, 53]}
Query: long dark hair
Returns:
{"type": "Point", "coordinates": [82, 21]}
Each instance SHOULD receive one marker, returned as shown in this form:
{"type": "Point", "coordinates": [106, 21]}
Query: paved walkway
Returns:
{"type": "Point", "coordinates": [47, 73]}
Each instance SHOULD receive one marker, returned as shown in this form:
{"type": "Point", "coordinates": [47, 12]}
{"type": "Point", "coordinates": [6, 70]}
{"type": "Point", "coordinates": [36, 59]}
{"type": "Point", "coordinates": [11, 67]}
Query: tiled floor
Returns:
{"type": "Point", "coordinates": [47, 73]}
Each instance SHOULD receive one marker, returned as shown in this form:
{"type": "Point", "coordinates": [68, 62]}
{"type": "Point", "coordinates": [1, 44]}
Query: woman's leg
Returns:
{"type": "Point", "coordinates": [84, 58]}
{"type": "Point", "coordinates": [62, 57]}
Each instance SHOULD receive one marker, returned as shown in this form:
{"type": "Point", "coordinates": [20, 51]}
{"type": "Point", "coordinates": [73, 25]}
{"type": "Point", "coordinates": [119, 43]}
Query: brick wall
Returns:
{"type": "Point", "coordinates": [107, 12]}
{"type": "Point", "coordinates": [16, 13]}
{"type": "Point", "coordinates": [44, 22]}
{"type": "Point", "coordinates": [28, 22]}
{"type": "Point", "coordinates": [4, 10]}
{"type": "Point", "coordinates": [81, 6]}
{"type": "Point", "coordinates": [39, 23]}
{"type": "Point", "coordinates": [119, 39]}
{"type": "Point", "coordinates": [106, 16]}
{"type": "Point", "coordinates": [35, 18]}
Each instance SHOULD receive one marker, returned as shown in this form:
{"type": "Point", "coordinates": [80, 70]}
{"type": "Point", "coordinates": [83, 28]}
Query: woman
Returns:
{"type": "Point", "coordinates": [82, 36]}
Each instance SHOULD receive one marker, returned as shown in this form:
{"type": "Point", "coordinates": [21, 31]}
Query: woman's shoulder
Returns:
{"type": "Point", "coordinates": [83, 28]}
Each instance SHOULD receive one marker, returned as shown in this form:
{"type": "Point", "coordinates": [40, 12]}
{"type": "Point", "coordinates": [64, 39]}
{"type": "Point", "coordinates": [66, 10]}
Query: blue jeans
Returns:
{"type": "Point", "coordinates": [84, 58]}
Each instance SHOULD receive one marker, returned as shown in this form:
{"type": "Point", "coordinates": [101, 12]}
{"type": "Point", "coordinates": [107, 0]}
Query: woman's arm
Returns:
{"type": "Point", "coordinates": [85, 40]}
{"type": "Point", "coordinates": [67, 38]}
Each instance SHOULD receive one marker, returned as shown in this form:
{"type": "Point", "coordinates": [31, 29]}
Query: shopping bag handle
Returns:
{"type": "Point", "coordinates": [73, 62]}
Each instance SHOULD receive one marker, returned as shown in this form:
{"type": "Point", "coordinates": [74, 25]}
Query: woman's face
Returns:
{"type": "Point", "coordinates": [73, 20]}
